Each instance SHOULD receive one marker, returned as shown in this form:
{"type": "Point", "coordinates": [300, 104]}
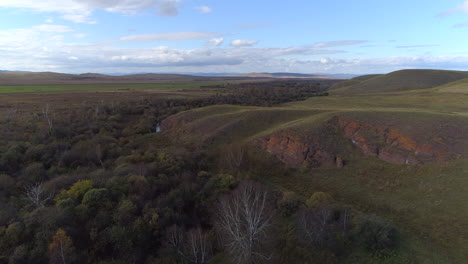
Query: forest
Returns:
{"type": "Point", "coordinates": [101, 184]}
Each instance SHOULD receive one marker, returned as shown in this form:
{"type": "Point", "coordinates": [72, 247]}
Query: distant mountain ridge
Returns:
{"type": "Point", "coordinates": [26, 78]}
{"type": "Point", "coordinates": [283, 75]}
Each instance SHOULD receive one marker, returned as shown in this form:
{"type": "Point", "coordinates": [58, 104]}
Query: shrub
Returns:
{"type": "Point", "coordinates": [318, 199]}
{"type": "Point", "coordinates": [376, 234]}
{"type": "Point", "coordinates": [289, 204]}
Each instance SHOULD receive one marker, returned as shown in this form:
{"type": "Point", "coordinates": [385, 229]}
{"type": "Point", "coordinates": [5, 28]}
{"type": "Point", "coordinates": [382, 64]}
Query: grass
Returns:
{"type": "Point", "coordinates": [427, 202]}
{"type": "Point", "coordinates": [401, 81]}
{"type": "Point", "coordinates": [160, 87]}
{"type": "Point", "coordinates": [460, 87]}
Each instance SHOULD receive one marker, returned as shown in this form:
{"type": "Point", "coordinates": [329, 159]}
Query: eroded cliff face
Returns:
{"type": "Point", "coordinates": [296, 151]}
{"type": "Point", "coordinates": [385, 143]}
{"type": "Point", "coordinates": [392, 145]}
{"type": "Point", "coordinates": [394, 139]}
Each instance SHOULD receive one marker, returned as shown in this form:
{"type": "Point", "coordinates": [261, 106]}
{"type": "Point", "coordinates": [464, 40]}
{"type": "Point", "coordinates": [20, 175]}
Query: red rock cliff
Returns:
{"type": "Point", "coordinates": [392, 145]}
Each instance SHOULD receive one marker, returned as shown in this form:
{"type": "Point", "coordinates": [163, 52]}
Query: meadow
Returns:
{"type": "Point", "coordinates": [160, 87]}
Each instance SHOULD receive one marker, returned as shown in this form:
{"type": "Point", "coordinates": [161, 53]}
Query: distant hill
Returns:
{"type": "Point", "coordinates": [284, 75]}
{"type": "Point", "coordinates": [399, 81]}
{"type": "Point", "coordinates": [25, 78]}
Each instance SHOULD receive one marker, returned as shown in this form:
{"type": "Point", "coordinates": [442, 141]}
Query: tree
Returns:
{"type": "Point", "coordinates": [61, 248]}
{"type": "Point", "coordinates": [37, 194]}
{"type": "Point", "coordinates": [244, 220]}
{"type": "Point", "coordinates": [233, 157]}
{"type": "Point", "coordinates": [50, 121]}
{"type": "Point", "coordinates": [193, 247]}
{"type": "Point", "coordinates": [323, 227]}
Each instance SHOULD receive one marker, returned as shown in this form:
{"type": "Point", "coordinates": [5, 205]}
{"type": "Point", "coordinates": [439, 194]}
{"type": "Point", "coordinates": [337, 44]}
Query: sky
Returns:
{"type": "Point", "coordinates": [241, 36]}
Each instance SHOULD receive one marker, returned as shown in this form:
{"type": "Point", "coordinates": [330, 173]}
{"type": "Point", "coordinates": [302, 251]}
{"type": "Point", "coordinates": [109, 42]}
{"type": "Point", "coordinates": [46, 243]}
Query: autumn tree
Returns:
{"type": "Point", "coordinates": [61, 248]}
{"type": "Point", "coordinates": [244, 221]}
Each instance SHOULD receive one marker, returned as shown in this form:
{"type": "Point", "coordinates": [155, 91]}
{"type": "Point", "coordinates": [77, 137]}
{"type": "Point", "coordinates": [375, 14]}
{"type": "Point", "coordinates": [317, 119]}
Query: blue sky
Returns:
{"type": "Point", "coordinates": [183, 36]}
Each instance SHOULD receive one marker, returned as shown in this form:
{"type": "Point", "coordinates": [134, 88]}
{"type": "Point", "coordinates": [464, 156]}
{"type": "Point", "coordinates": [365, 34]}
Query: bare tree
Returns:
{"type": "Point", "coordinates": [313, 226]}
{"type": "Point", "coordinates": [100, 154]}
{"type": "Point", "coordinates": [321, 227]}
{"type": "Point", "coordinates": [49, 120]}
{"type": "Point", "coordinates": [233, 157]}
{"type": "Point", "coordinates": [11, 113]}
{"type": "Point", "coordinates": [193, 247]}
{"type": "Point", "coordinates": [244, 220]}
{"type": "Point", "coordinates": [37, 195]}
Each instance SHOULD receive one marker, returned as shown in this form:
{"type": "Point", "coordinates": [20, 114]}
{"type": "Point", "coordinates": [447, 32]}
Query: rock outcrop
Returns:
{"type": "Point", "coordinates": [392, 145]}
{"type": "Point", "coordinates": [382, 141]}
{"type": "Point", "coordinates": [296, 151]}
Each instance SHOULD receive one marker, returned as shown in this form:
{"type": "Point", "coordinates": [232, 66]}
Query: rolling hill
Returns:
{"type": "Point", "coordinates": [23, 78]}
{"type": "Point", "coordinates": [401, 155]}
{"type": "Point", "coordinates": [28, 78]}
{"type": "Point", "coordinates": [399, 81]}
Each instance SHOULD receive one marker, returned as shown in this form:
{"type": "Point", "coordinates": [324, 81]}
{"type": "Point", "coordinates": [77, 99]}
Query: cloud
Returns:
{"type": "Point", "coordinates": [415, 46]}
{"type": "Point", "coordinates": [171, 36]}
{"type": "Point", "coordinates": [79, 35]}
{"type": "Point", "coordinates": [80, 11]}
{"type": "Point", "coordinates": [31, 49]}
{"type": "Point", "coordinates": [338, 43]}
{"type": "Point", "coordinates": [243, 43]}
{"type": "Point", "coordinates": [215, 42]}
{"type": "Point", "coordinates": [463, 24]}
{"type": "Point", "coordinates": [461, 8]}
{"type": "Point", "coordinates": [204, 9]}
{"type": "Point", "coordinates": [52, 28]}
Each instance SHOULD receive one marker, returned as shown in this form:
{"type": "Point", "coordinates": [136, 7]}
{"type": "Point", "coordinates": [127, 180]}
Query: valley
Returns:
{"type": "Point", "coordinates": [391, 147]}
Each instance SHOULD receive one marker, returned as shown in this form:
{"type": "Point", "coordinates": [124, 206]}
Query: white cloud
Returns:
{"type": "Point", "coordinates": [215, 42]}
{"type": "Point", "coordinates": [39, 50]}
{"type": "Point", "coordinates": [243, 43]}
{"type": "Point", "coordinates": [49, 20]}
{"type": "Point", "coordinates": [204, 9]}
{"type": "Point", "coordinates": [461, 8]}
{"type": "Point", "coordinates": [80, 11]}
{"type": "Point", "coordinates": [52, 28]}
{"type": "Point", "coordinates": [338, 43]}
{"type": "Point", "coordinates": [171, 36]}
{"type": "Point", "coordinates": [79, 35]}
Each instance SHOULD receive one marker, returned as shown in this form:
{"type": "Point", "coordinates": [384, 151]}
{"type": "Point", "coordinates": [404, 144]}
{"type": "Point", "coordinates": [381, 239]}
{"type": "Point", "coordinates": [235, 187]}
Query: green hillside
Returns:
{"type": "Point", "coordinates": [401, 81]}
{"type": "Point", "coordinates": [425, 201]}
{"type": "Point", "coordinates": [353, 81]}
{"type": "Point", "coordinates": [460, 86]}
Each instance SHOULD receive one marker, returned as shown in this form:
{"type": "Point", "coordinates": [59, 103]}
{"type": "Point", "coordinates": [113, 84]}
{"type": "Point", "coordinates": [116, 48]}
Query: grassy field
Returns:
{"type": "Point", "coordinates": [426, 202]}
{"type": "Point", "coordinates": [102, 87]}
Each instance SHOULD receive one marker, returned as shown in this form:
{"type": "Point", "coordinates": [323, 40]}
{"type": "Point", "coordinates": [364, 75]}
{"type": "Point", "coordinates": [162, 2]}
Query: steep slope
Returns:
{"type": "Point", "coordinates": [402, 81]}
{"type": "Point", "coordinates": [317, 137]}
